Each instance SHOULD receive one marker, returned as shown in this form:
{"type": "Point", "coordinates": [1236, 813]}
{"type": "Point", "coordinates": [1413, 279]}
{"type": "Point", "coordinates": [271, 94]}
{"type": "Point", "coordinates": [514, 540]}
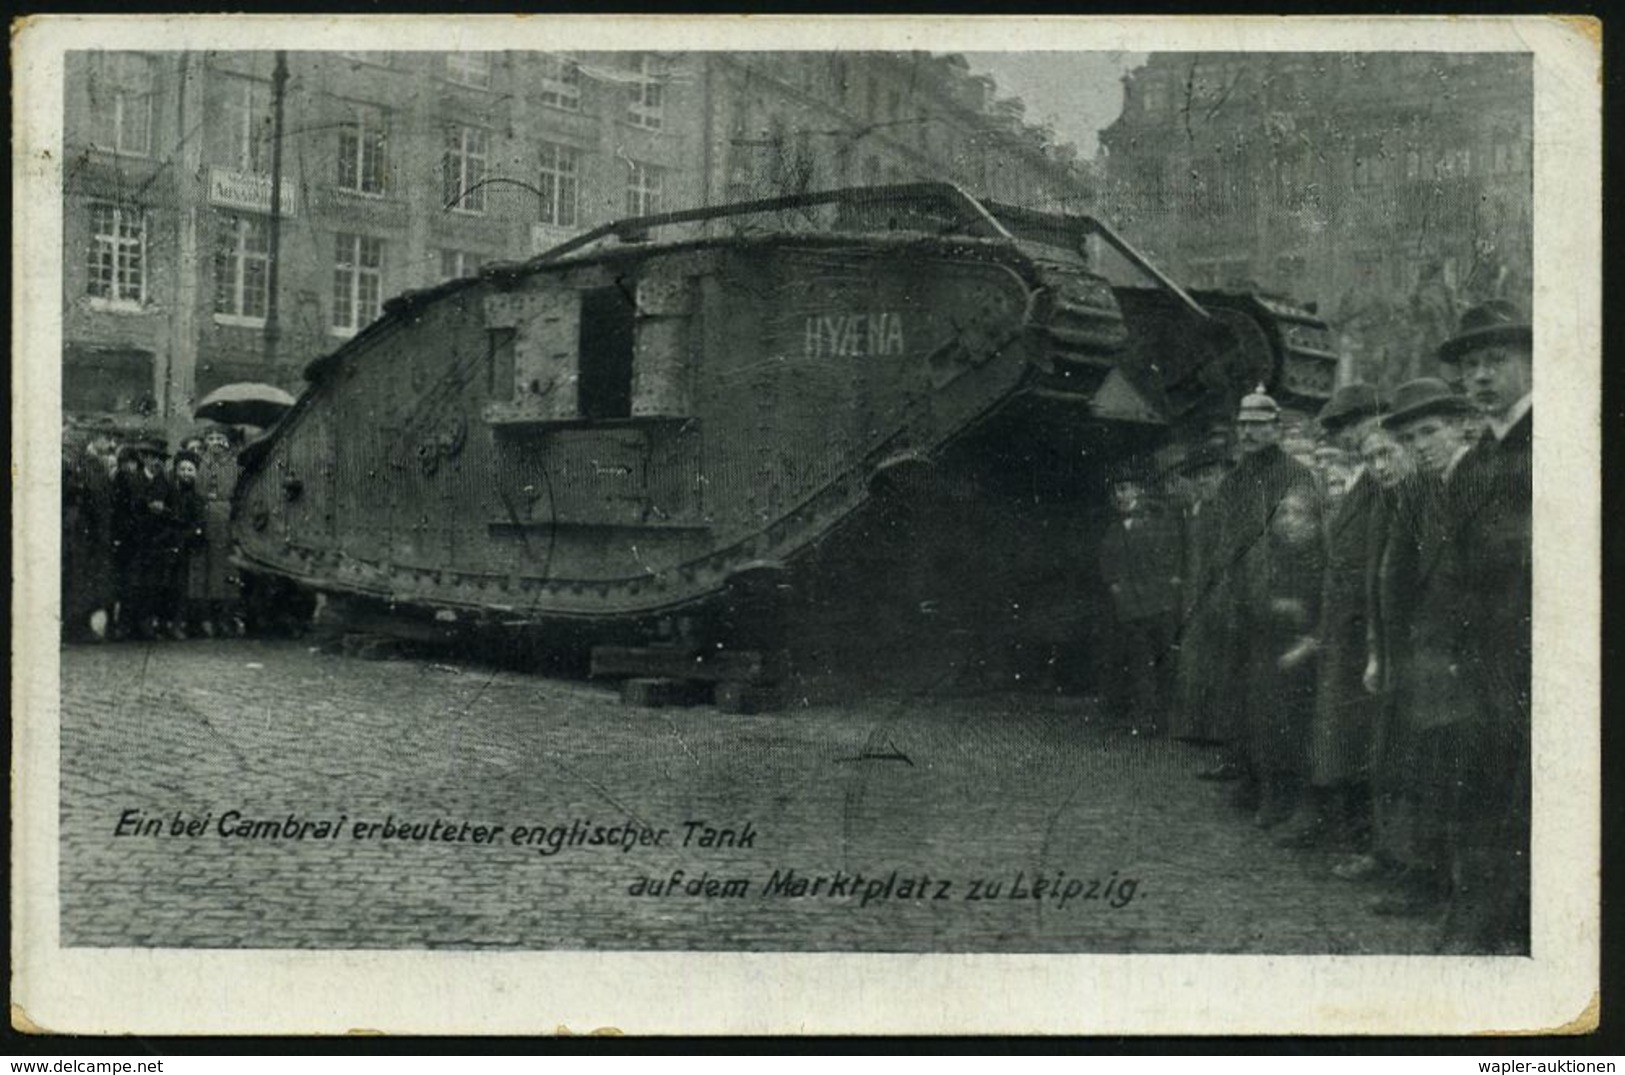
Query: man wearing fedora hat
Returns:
{"type": "Point", "coordinates": [1426, 617]}
{"type": "Point", "coordinates": [1492, 358]}
{"type": "Point", "coordinates": [1336, 809]}
{"type": "Point", "coordinates": [141, 494]}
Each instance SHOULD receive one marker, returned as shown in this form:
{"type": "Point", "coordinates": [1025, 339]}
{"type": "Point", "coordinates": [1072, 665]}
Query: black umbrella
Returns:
{"type": "Point", "coordinates": [244, 403]}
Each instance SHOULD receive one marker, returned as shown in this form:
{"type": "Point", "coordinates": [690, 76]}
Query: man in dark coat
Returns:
{"type": "Point", "coordinates": [1391, 536]}
{"type": "Point", "coordinates": [87, 539]}
{"type": "Point", "coordinates": [1336, 808]}
{"type": "Point", "coordinates": [1492, 358]}
{"type": "Point", "coordinates": [142, 512]}
{"type": "Point", "coordinates": [1247, 500]}
{"type": "Point", "coordinates": [1433, 694]}
{"type": "Point", "coordinates": [1202, 624]}
{"type": "Point", "coordinates": [1140, 557]}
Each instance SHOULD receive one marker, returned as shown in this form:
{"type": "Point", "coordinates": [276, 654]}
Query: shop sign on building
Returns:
{"type": "Point", "coordinates": [250, 191]}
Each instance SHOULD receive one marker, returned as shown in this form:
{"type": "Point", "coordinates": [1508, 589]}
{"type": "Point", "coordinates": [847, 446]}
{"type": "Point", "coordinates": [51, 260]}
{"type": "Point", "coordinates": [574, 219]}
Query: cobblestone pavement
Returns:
{"type": "Point", "coordinates": [1000, 790]}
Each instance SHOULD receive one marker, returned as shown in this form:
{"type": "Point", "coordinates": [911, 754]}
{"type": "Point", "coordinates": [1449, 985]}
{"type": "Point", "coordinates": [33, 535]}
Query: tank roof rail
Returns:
{"type": "Point", "coordinates": [944, 194]}
{"type": "Point", "coordinates": [995, 217]}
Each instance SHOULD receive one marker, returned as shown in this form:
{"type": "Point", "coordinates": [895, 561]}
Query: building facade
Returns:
{"type": "Point", "coordinates": [401, 170]}
{"type": "Point", "coordinates": [1390, 189]}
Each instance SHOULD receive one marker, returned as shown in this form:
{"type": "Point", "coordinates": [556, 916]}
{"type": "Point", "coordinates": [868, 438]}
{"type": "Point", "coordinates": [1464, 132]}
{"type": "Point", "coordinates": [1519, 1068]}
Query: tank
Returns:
{"type": "Point", "coordinates": [843, 424]}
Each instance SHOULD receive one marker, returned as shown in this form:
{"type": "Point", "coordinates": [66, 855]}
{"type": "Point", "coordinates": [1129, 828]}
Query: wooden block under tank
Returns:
{"type": "Point", "coordinates": [371, 647]}
{"type": "Point", "coordinates": [676, 662]}
{"type": "Point", "coordinates": [656, 692]}
{"type": "Point", "coordinates": [749, 698]}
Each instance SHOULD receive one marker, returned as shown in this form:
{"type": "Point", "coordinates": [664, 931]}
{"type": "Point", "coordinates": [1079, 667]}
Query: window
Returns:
{"type": "Point", "coordinates": [358, 269]}
{"type": "Point", "coordinates": [560, 172]}
{"type": "Point", "coordinates": [247, 108]}
{"type": "Point", "coordinates": [361, 151]}
{"type": "Point", "coordinates": [121, 103]}
{"type": "Point", "coordinates": [469, 68]}
{"type": "Point", "coordinates": [645, 188]}
{"type": "Point", "coordinates": [607, 350]}
{"type": "Point", "coordinates": [118, 254]}
{"type": "Point", "coordinates": [242, 263]}
{"type": "Point", "coordinates": [462, 169]}
{"type": "Point", "coordinates": [560, 82]}
{"type": "Point", "coordinates": [456, 264]}
{"type": "Point", "coordinates": [647, 109]}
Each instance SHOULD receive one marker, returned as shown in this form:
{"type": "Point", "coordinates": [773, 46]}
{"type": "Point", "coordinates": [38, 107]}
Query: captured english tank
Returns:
{"type": "Point", "coordinates": [867, 428]}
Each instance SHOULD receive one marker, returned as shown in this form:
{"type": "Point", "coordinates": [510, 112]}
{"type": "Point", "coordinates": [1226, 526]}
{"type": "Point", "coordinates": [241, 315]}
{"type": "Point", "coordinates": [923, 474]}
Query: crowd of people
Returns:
{"type": "Point", "coordinates": [146, 539]}
{"type": "Point", "coordinates": [1346, 626]}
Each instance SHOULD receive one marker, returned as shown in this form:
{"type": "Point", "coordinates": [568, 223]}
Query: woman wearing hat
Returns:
{"type": "Point", "coordinates": [217, 478]}
{"type": "Point", "coordinates": [1282, 594]}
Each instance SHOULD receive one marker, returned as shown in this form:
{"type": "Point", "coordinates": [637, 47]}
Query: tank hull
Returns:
{"type": "Point", "coordinates": [893, 430]}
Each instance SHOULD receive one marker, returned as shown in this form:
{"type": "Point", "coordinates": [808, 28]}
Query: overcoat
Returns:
{"type": "Point", "coordinates": [1427, 623]}
{"type": "Point", "coordinates": [1432, 685]}
{"type": "Point", "coordinates": [1345, 712]}
{"type": "Point", "coordinates": [1282, 593]}
{"type": "Point", "coordinates": [217, 478]}
{"type": "Point", "coordinates": [1201, 632]}
{"type": "Point", "coordinates": [1496, 541]}
{"type": "Point", "coordinates": [188, 541]}
{"type": "Point", "coordinates": [87, 540]}
{"type": "Point", "coordinates": [1396, 541]}
{"type": "Point", "coordinates": [1246, 500]}
{"type": "Point", "coordinates": [1140, 564]}
{"type": "Point", "coordinates": [1489, 771]}
{"type": "Point", "coordinates": [145, 550]}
